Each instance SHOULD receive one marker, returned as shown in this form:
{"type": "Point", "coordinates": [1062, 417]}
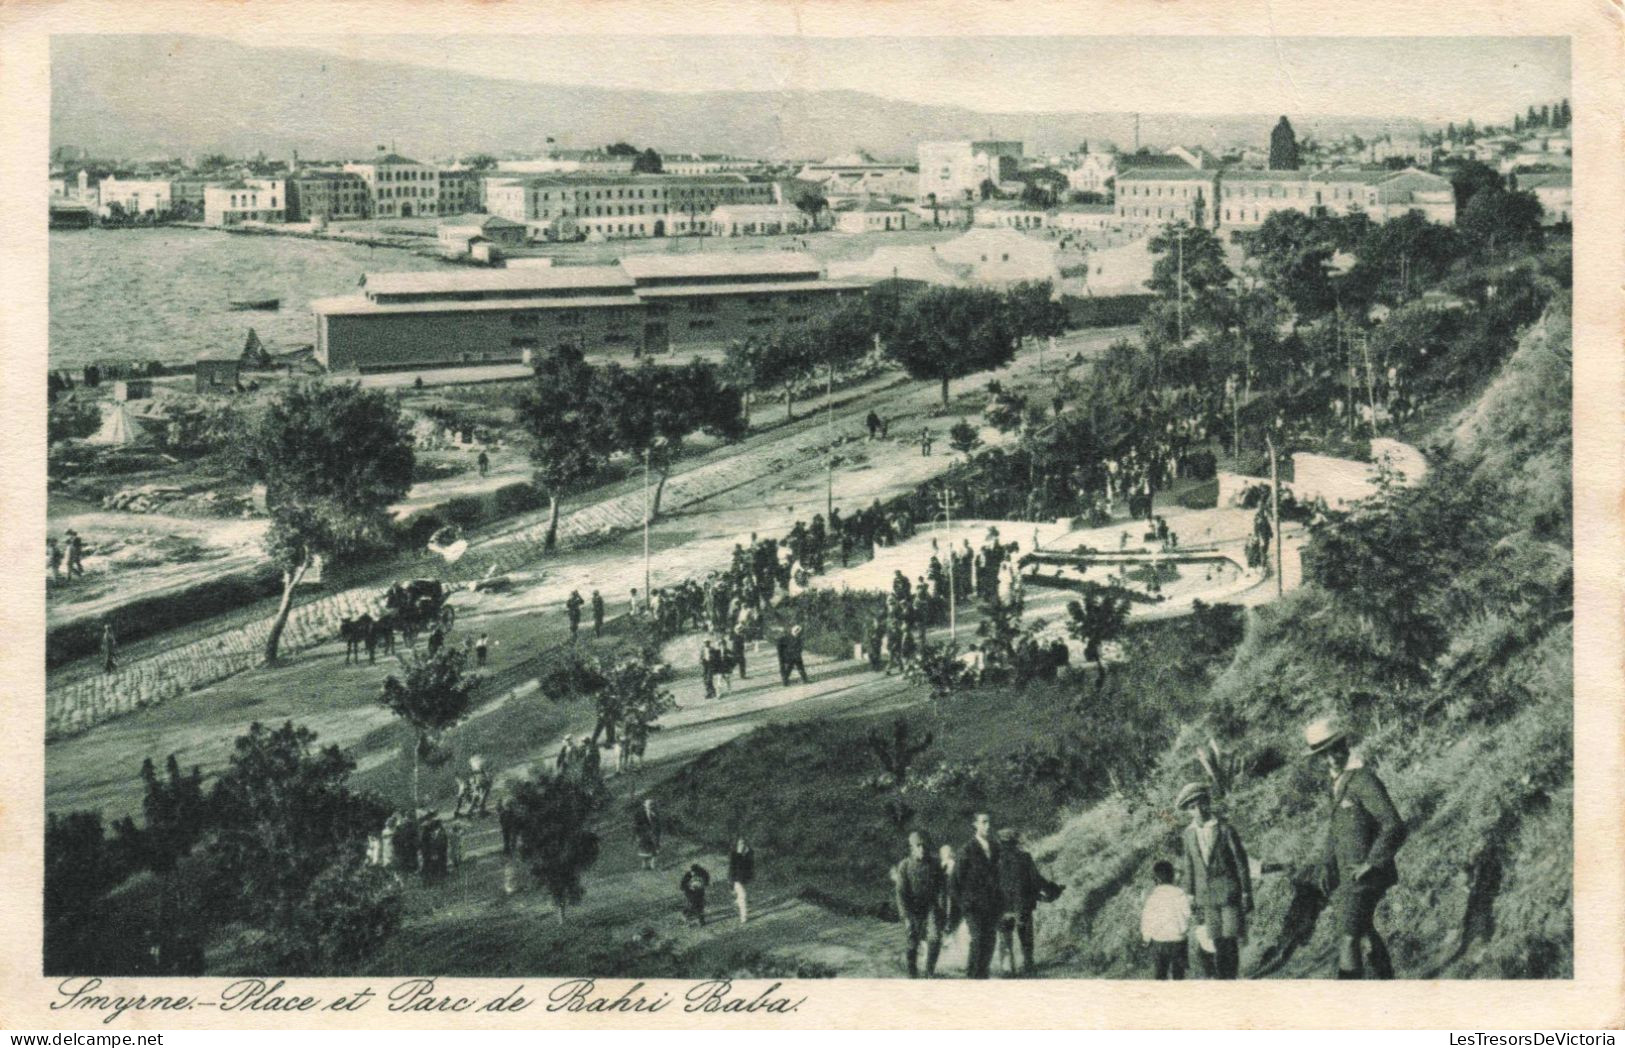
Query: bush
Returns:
{"type": "Point", "coordinates": [1201, 465]}
{"type": "Point", "coordinates": [518, 498]}
{"type": "Point", "coordinates": [465, 511]}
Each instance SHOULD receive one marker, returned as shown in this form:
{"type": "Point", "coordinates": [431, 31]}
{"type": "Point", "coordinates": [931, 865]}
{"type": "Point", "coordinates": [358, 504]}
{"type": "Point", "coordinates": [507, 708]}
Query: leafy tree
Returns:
{"type": "Point", "coordinates": [81, 866]}
{"type": "Point", "coordinates": [621, 149]}
{"type": "Point", "coordinates": [1005, 408]}
{"type": "Point", "coordinates": [1399, 256]}
{"type": "Point", "coordinates": [480, 161]}
{"type": "Point", "coordinates": [1293, 251]}
{"type": "Point", "coordinates": [647, 163]}
{"type": "Point", "coordinates": [553, 815]}
{"type": "Point", "coordinates": [947, 333]}
{"type": "Point", "coordinates": [287, 827]}
{"type": "Point", "coordinates": [432, 698]}
{"type": "Point", "coordinates": [1190, 259]}
{"type": "Point", "coordinates": [348, 912]}
{"type": "Point", "coordinates": [1098, 618]}
{"type": "Point", "coordinates": [1283, 147]}
{"type": "Point", "coordinates": [963, 438]}
{"type": "Point", "coordinates": [651, 410]}
{"type": "Point", "coordinates": [569, 441]}
{"type": "Point", "coordinates": [738, 371]}
{"type": "Point", "coordinates": [1470, 179]}
{"type": "Point", "coordinates": [786, 362]}
{"type": "Point", "coordinates": [1496, 220]}
{"type": "Point", "coordinates": [333, 458]}
{"type": "Point", "coordinates": [1035, 311]}
{"type": "Point", "coordinates": [812, 202]}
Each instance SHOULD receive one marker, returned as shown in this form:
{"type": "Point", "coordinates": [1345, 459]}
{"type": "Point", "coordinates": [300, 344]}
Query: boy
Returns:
{"type": "Point", "coordinates": [1165, 922]}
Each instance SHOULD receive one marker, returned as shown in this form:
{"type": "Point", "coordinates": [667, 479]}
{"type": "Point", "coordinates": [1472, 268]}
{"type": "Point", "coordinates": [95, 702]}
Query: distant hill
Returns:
{"type": "Point", "coordinates": [150, 96]}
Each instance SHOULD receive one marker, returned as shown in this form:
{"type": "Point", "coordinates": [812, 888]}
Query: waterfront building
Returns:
{"type": "Point", "coordinates": [644, 304]}
{"type": "Point", "coordinates": [327, 195]}
{"type": "Point", "coordinates": [568, 207]}
{"type": "Point", "coordinates": [134, 197]}
{"type": "Point", "coordinates": [953, 172]}
{"type": "Point", "coordinates": [245, 200]}
{"type": "Point", "coordinates": [399, 187]}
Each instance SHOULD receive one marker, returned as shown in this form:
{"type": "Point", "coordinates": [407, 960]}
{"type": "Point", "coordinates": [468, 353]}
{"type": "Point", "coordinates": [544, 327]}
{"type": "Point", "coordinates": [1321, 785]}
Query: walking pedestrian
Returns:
{"type": "Point", "coordinates": [741, 871]}
{"type": "Point", "coordinates": [925, 442]}
{"type": "Point", "coordinates": [1165, 923]}
{"type": "Point", "coordinates": [646, 828]}
{"type": "Point", "coordinates": [76, 554]}
{"type": "Point", "coordinates": [572, 609]}
{"type": "Point", "coordinates": [508, 821]}
{"type": "Point", "coordinates": [482, 649]}
{"type": "Point", "coordinates": [790, 655]}
{"type": "Point", "coordinates": [873, 422]}
{"type": "Point", "coordinates": [977, 892]}
{"type": "Point", "coordinates": [484, 464]}
{"type": "Point", "coordinates": [1365, 831]}
{"type": "Point", "coordinates": [109, 648]}
{"type": "Point", "coordinates": [736, 638]}
{"type": "Point", "coordinates": [696, 879]}
{"type": "Point", "coordinates": [1022, 888]}
{"type": "Point", "coordinates": [708, 667]}
{"type": "Point", "coordinates": [918, 890]}
{"type": "Point", "coordinates": [53, 557]}
{"type": "Point", "coordinates": [1217, 879]}
{"type": "Point", "coordinates": [597, 614]}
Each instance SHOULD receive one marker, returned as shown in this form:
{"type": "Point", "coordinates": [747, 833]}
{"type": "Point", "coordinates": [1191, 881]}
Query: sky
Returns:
{"type": "Point", "coordinates": [1427, 78]}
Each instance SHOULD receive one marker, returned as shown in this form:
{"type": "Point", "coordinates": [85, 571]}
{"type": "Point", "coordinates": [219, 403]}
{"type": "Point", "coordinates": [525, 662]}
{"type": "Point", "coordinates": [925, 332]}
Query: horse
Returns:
{"type": "Point", "coordinates": [356, 633]}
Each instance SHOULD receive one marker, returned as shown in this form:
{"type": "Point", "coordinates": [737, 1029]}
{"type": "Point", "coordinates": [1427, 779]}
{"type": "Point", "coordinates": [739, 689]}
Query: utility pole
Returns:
{"type": "Point", "coordinates": [945, 498]}
{"type": "Point", "coordinates": [1370, 390]}
{"type": "Point", "coordinates": [645, 529]}
{"type": "Point", "coordinates": [829, 440]}
{"type": "Point", "coordinates": [1180, 301]}
{"type": "Point", "coordinates": [1275, 515]}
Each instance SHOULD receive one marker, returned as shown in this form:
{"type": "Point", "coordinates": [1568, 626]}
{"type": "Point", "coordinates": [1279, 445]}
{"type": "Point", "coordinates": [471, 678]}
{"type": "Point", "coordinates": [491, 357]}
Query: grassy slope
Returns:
{"type": "Point", "coordinates": [1479, 758]}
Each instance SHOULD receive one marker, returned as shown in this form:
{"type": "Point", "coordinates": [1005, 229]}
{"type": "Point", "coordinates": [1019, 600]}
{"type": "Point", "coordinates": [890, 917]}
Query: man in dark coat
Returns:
{"type": "Point", "coordinates": [572, 608]}
{"type": "Point", "coordinates": [708, 668]}
{"type": "Point", "coordinates": [977, 890]}
{"type": "Point", "coordinates": [597, 614]}
{"type": "Point", "coordinates": [736, 640]}
{"type": "Point", "coordinates": [917, 883]}
{"type": "Point", "coordinates": [1022, 888]}
{"type": "Point", "coordinates": [1217, 878]}
{"type": "Point", "coordinates": [741, 871]}
{"type": "Point", "coordinates": [1366, 830]}
{"type": "Point", "coordinates": [789, 645]}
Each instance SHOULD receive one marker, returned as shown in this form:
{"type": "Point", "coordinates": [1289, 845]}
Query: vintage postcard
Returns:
{"type": "Point", "coordinates": [811, 515]}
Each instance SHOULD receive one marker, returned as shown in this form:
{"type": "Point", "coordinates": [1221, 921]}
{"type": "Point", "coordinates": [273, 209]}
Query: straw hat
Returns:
{"type": "Point", "coordinates": [1322, 734]}
{"type": "Point", "coordinates": [1189, 793]}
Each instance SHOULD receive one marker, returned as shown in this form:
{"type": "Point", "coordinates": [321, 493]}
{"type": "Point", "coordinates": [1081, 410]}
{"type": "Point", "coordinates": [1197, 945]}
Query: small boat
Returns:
{"type": "Point", "coordinates": [256, 303]}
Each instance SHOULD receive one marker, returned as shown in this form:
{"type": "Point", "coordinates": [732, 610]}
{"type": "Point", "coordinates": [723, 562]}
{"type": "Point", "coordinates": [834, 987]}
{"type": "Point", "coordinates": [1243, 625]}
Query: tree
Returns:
{"type": "Point", "coordinates": [333, 458]}
{"type": "Point", "coordinates": [1098, 618]}
{"type": "Point", "coordinates": [896, 755]}
{"type": "Point", "coordinates": [1470, 179]}
{"type": "Point", "coordinates": [812, 203]}
{"type": "Point", "coordinates": [1497, 220]}
{"type": "Point", "coordinates": [289, 833]}
{"type": "Point", "coordinates": [621, 149]}
{"type": "Point", "coordinates": [963, 438]}
{"type": "Point", "coordinates": [81, 867]}
{"type": "Point", "coordinates": [433, 697]}
{"type": "Point", "coordinates": [568, 439]}
{"type": "Point", "coordinates": [634, 692]}
{"type": "Point", "coordinates": [1398, 256]}
{"type": "Point", "coordinates": [1546, 116]}
{"type": "Point", "coordinates": [1283, 147]}
{"type": "Point", "coordinates": [480, 161]}
{"type": "Point", "coordinates": [647, 163]}
{"type": "Point", "coordinates": [1035, 310]}
{"type": "Point", "coordinates": [947, 333]}
{"type": "Point", "coordinates": [1293, 252]}
{"type": "Point", "coordinates": [786, 361]}
{"type": "Point", "coordinates": [1190, 266]}
{"type": "Point", "coordinates": [651, 410]}
{"type": "Point", "coordinates": [553, 816]}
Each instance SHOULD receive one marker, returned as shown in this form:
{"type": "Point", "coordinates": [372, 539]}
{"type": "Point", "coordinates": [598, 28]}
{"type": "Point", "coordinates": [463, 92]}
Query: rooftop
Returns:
{"type": "Point", "coordinates": [1182, 173]}
{"type": "Point", "coordinates": [570, 179]}
{"type": "Point", "coordinates": [537, 278]}
{"type": "Point", "coordinates": [357, 305]}
{"type": "Point", "coordinates": [703, 264]}
{"type": "Point", "coordinates": [1127, 161]}
{"type": "Point", "coordinates": [768, 287]}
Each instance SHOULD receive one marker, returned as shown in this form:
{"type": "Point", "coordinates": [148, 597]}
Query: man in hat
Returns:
{"type": "Point", "coordinates": [790, 659]}
{"type": "Point", "coordinates": [1365, 832]}
{"type": "Point", "coordinates": [572, 611]}
{"type": "Point", "coordinates": [597, 614]}
{"type": "Point", "coordinates": [1217, 879]}
{"type": "Point", "coordinates": [976, 887]}
{"type": "Point", "coordinates": [918, 889]}
{"type": "Point", "coordinates": [1022, 888]}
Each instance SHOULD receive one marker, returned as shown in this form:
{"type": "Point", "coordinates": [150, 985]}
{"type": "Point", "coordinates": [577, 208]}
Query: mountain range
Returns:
{"type": "Point", "coordinates": [150, 96]}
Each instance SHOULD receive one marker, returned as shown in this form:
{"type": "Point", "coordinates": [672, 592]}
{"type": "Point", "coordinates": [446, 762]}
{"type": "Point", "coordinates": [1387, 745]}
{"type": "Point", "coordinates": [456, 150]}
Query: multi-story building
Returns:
{"type": "Point", "coordinates": [1097, 172]}
{"type": "Point", "coordinates": [250, 200]}
{"type": "Point", "coordinates": [705, 164]}
{"type": "Point", "coordinates": [1555, 191]}
{"type": "Point", "coordinates": [953, 172]}
{"type": "Point", "coordinates": [860, 178]}
{"type": "Point", "coordinates": [135, 197]}
{"type": "Point", "coordinates": [1082, 218]}
{"type": "Point", "coordinates": [645, 304]}
{"type": "Point", "coordinates": [564, 207]}
{"type": "Point", "coordinates": [736, 220]}
{"type": "Point", "coordinates": [1248, 198]}
{"type": "Point", "coordinates": [327, 195]}
{"type": "Point", "coordinates": [459, 191]}
{"type": "Point", "coordinates": [570, 161]}
{"type": "Point", "coordinates": [1155, 195]}
{"type": "Point", "coordinates": [399, 187]}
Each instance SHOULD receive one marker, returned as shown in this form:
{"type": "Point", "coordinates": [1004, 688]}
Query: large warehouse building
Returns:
{"type": "Point", "coordinates": [644, 304]}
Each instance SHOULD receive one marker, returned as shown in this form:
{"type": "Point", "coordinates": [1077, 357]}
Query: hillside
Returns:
{"type": "Point", "coordinates": [1440, 628]}
{"type": "Point", "coordinates": [146, 96]}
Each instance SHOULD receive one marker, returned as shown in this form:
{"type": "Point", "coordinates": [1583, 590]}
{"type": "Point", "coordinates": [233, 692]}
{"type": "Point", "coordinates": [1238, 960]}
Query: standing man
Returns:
{"type": "Point", "coordinates": [1217, 879]}
{"type": "Point", "coordinates": [736, 639]}
{"type": "Point", "coordinates": [918, 890]}
{"type": "Point", "coordinates": [977, 891]}
{"type": "Point", "coordinates": [484, 464]}
{"type": "Point", "coordinates": [109, 648]}
{"type": "Point", "coordinates": [646, 828]}
{"type": "Point", "coordinates": [925, 442]}
{"type": "Point", "coordinates": [1022, 888]}
{"type": "Point", "coordinates": [708, 668]}
{"type": "Point", "coordinates": [741, 871]}
{"type": "Point", "coordinates": [1365, 832]}
{"type": "Point", "coordinates": [597, 614]}
{"type": "Point", "coordinates": [572, 608]}
{"type": "Point", "coordinates": [76, 554]}
{"type": "Point", "coordinates": [789, 645]}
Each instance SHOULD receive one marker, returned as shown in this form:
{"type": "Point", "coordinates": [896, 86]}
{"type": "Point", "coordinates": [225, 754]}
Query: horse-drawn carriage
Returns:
{"type": "Point", "coordinates": [417, 605]}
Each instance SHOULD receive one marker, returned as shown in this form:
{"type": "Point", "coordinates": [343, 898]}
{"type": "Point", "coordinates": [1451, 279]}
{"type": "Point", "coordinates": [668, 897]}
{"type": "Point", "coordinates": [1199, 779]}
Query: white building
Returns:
{"type": "Point", "coordinates": [251, 200]}
{"type": "Point", "coordinates": [1082, 218]}
{"type": "Point", "coordinates": [1009, 214]}
{"type": "Point", "coordinates": [1555, 191]}
{"type": "Point", "coordinates": [873, 218]}
{"type": "Point", "coordinates": [135, 197]}
{"type": "Point", "coordinates": [953, 172]}
{"type": "Point", "coordinates": [740, 220]}
{"type": "Point", "coordinates": [861, 178]}
{"type": "Point", "coordinates": [704, 164]}
{"type": "Point", "coordinates": [399, 187]}
{"type": "Point", "coordinates": [569, 161]}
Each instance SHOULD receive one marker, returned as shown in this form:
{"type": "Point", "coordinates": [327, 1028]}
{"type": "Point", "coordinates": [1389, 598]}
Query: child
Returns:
{"type": "Point", "coordinates": [693, 886]}
{"type": "Point", "coordinates": [1165, 922]}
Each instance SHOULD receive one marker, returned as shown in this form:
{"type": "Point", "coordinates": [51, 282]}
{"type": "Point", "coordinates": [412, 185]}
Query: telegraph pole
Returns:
{"type": "Point", "coordinates": [1180, 302]}
{"type": "Point", "coordinates": [1370, 391]}
{"type": "Point", "coordinates": [829, 439]}
{"type": "Point", "coordinates": [945, 499]}
{"type": "Point", "coordinates": [645, 529]}
{"type": "Point", "coordinates": [1275, 514]}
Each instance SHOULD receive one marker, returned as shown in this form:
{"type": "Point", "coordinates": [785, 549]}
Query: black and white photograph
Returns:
{"type": "Point", "coordinates": [751, 509]}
